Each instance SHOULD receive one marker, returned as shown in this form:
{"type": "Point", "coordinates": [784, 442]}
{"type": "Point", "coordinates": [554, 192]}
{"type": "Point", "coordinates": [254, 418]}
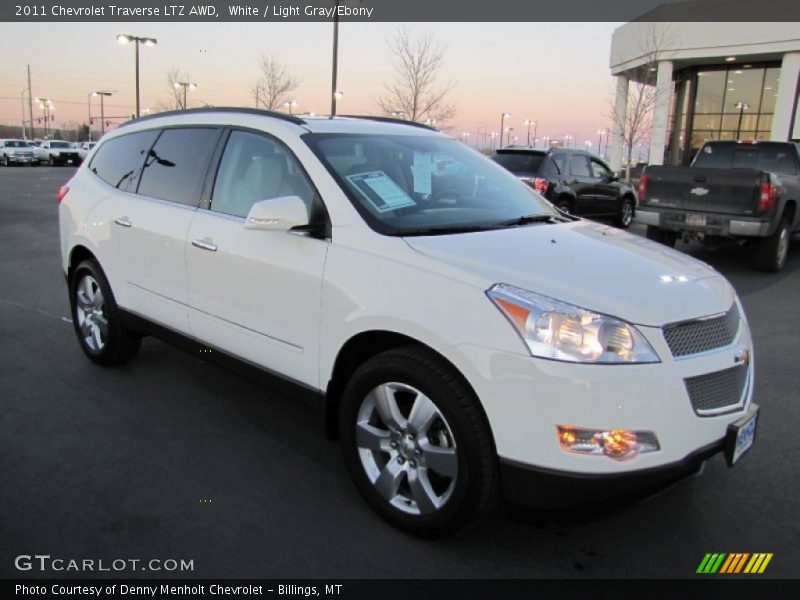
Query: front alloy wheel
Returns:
{"type": "Point", "coordinates": [411, 460]}
{"type": "Point", "coordinates": [417, 443]}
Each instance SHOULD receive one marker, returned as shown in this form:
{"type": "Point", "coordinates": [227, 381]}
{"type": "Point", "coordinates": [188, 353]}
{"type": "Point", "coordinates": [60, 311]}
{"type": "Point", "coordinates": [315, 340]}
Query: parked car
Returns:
{"type": "Point", "coordinates": [84, 148]}
{"type": "Point", "coordinates": [575, 181]}
{"type": "Point", "coordinates": [40, 154]}
{"type": "Point", "coordinates": [740, 192]}
{"type": "Point", "coordinates": [16, 152]}
{"type": "Point", "coordinates": [464, 343]}
{"type": "Point", "coordinates": [60, 152]}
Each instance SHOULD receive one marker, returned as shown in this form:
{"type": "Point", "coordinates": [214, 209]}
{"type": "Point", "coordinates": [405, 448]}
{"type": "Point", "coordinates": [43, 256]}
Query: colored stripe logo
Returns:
{"type": "Point", "coordinates": [734, 563]}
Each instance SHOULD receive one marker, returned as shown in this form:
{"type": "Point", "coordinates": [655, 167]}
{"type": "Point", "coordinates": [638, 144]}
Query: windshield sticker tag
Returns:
{"type": "Point", "coordinates": [422, 171]}
{"type": "Point", "coordinates": [383, 193]}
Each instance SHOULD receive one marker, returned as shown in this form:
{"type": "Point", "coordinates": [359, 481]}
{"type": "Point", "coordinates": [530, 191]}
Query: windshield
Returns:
{"type": "Point", "coordinates": [15, 144]}
{"type": "Point", "coordinates": [519, 162]}
{"type": "Point", "coordinates": [424, 185]}
{"type": "Point", "coordinates": [60, 145]}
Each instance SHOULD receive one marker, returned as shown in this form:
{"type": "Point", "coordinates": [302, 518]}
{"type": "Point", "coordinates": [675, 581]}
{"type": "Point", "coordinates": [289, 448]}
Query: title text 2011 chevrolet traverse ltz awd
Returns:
{"type": "Point", "coordinates": [468, 339]}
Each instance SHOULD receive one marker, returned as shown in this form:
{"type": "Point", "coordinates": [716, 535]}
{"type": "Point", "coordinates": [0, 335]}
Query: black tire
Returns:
{"type": "Point", "coordinates": [625, 216]}
{"type": "Point", "coordinates": [668, 238]}
{"type": "Point", "coordinates": [771, 252]}
{"type": "Point", "coordinates": [120, 344]}
{"type": "Point", "coordinates": [466, 497]}
{"type": "Point", "coordinates": [564, 205]}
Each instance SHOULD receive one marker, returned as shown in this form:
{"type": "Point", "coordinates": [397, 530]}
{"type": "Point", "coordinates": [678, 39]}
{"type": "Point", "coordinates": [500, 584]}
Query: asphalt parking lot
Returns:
{"type": "Point", "coordinates": [172, 456]}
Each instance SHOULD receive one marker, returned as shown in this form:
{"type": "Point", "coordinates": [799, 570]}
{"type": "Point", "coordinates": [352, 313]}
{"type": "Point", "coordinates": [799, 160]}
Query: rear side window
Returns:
{"type": "Point", "coordinates": [518, 162]}
{"type": "Point", "coordinates": [176, 166]}
{"type": "Point", "coordinates": [117, 161]}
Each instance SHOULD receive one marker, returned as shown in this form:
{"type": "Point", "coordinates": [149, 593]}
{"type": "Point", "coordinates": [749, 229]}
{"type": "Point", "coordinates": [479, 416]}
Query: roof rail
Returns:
{"type": "Point", "coordinates": [390, 120]}
{"type": "Point", "coordinates": [229, 109]}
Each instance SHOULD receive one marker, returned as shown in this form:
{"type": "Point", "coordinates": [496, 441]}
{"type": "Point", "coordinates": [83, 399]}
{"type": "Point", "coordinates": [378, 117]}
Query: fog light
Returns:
{"type": "Point", "coordinates": [620, 444]}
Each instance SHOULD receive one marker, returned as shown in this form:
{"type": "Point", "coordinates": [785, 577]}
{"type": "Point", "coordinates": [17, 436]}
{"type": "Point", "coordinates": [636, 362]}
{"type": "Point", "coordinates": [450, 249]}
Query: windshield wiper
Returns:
{"type": "Point", "coordinates": [441, 230]}
{"type": "Point", "coordinates": [526, 219]}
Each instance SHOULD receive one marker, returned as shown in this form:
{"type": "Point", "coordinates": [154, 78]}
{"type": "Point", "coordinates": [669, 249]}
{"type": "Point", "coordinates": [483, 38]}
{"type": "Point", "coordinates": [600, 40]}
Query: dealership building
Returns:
{"type": "Point", "coordinates": [710, 81]}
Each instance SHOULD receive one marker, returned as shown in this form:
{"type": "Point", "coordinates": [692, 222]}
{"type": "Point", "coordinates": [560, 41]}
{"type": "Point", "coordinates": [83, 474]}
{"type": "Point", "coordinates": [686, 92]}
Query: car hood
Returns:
{"type": "Point", "coordinates": [590, 265]}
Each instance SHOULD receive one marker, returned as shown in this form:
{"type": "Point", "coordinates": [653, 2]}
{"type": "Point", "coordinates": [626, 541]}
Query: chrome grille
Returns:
{"type": "Point", "coordinates": [701, 335]}
{"type": "Point", "coordinates": [719, 392]}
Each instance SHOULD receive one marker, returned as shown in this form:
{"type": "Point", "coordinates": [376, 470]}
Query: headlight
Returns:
{"type": "Point", "coordinates": [56, 153]}
{"type": "Point", "coordinates": [560, 331]}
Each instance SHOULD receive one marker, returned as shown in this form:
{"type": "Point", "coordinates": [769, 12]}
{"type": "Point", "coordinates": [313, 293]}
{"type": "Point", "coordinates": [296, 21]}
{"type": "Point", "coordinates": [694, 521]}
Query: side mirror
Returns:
{"type": "Point", "coordinates": [277, 214]}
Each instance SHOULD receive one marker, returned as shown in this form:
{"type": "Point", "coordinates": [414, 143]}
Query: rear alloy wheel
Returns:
{"type": "Point", "coordinates": [416, 443]}
{"type": "Point", "coordinates": [771, 252]}
{"type": "Point", "coordinates": [625, 217]}
{"type": "Point", "coordinates": [101, 333]}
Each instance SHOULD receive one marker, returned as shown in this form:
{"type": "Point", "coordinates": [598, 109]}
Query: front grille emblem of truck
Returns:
{"type": "Point", "coordinates": [699, 191]}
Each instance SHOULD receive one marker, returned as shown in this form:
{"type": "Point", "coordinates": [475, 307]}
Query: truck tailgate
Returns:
{"type": "Point", "coordinates": [728, 191]}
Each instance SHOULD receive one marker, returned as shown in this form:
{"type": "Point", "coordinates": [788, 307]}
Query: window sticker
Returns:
{"type": "Point", "coordinates": [421, 170]}
{"type": "Point", "coordinates": [383, 193]}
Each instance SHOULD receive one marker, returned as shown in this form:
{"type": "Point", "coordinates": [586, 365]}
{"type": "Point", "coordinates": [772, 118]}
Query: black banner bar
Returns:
{"type": "Point", "coordinates": [275, 11]}
{"type": "Point", "coordinates": [708, 588]}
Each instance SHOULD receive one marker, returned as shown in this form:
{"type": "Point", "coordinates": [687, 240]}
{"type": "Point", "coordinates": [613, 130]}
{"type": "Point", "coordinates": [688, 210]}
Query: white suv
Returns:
{"type": "Point", "coordinates": [468, 340]}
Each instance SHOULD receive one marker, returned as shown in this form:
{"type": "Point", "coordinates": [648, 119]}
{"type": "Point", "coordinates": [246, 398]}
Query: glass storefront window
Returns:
{"type": "Point", "coordinates": [770, 90]}
{"type": "Point", "coordinates": [710, 92]}
{"type": "Point", "coordinates": [743, 85]}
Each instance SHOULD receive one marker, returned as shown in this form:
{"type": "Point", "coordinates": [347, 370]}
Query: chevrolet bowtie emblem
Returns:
{"type": "Point", "coordinates": [698, 191]}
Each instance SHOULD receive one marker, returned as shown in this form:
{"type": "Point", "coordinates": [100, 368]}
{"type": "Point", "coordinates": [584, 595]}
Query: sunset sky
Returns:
{"type": "Point", "coordinates": [556, 73]}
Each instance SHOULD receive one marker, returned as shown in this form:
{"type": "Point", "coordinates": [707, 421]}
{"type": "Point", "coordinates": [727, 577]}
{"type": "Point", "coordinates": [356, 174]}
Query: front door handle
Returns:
{"type": "Point", "coordinates": [123, 222]}
{"type": "Point", "coordinates": [205, 244]}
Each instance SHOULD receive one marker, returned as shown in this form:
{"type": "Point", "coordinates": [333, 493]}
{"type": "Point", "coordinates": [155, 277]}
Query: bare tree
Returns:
{"type": "Point", "coordinates": [654, 40]}
{"type": "Point", "coordinates": [415, 91]}
{"type": "Point", "coordinates": [174, 100]}
{"type": "Point", "coordinates": [274, 84]}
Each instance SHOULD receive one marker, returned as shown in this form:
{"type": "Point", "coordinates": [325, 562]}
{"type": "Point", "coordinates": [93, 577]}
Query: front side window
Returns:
{"type": "Point", "coordinates": [118, 160]}
{"type": "Point", "coordinates": [255, 168]}
{"type": "Point", "coordinates": [175, 167]}
{"type": "Point", "coordinates": [60, 145]}
{"type": "Point", "coordinates": [600, 170]}
{"type": "Point", "coordinates": [423, 185]}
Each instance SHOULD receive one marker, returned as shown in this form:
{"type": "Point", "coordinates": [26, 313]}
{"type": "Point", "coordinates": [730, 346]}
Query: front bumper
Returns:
{"type": "Point", "coordinates": [550, 489]}
{"type": "Point", "coordinates": [22, 160]}
{"type": "Point", "coordinates": [716, 225]}
{"type": "Point", "coordinates": [526, 399]}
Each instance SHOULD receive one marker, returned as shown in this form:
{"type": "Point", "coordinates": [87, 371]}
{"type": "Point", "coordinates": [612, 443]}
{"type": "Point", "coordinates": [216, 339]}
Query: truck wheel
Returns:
{"type": "Point", "coordinates": [771, 252]}
{"type": "Point", "coordinates": [101, 332]}
{"type": "Point", "coordinates": [668, 238]}
{"type": "Point", "coordinates": [417, 443]}
{"type": "Point", "coordinates": [625, 217]}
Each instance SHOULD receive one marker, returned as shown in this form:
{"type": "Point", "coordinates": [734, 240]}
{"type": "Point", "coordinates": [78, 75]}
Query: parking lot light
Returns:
{"type": "Point", "coordinates": [126, 38]}
{"type": "Point", "coordinates": [503, 117]}
{"type": "Point", "coordinates": [186, 85]}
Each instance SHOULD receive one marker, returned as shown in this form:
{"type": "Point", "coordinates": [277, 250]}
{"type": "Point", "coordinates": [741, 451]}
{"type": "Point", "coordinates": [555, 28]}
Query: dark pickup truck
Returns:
{"type": "Point", "coordinates": [733, 191]}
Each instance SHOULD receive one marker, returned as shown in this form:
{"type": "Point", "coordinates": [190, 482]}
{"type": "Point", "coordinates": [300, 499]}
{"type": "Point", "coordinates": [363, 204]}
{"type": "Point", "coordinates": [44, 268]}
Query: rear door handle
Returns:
{"type": "Point", "coordinates": [123, 222]}
{"type": "Point", "coordinates": [205, 244]}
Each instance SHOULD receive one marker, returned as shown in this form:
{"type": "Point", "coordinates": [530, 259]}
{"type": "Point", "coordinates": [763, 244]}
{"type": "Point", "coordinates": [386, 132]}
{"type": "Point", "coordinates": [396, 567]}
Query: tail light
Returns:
{"type": "Point", "coordinates": [767, 196]}
{"type": "Point", "coordinates": [642, 187]}
{"type": "Point", "coordinates": [540, 185]}
{"type": "Point", "coordinates": [62, 191]}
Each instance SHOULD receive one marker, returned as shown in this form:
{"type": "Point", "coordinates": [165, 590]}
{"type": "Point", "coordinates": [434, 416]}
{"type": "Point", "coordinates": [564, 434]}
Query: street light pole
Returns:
{"type": "Point", "coordinates": [186, 85]}
{"type": "Point", "coordinates": [503, 117]}
{"type": "Point", "coordinates": [125, 38]}
{"type": "Point", "coordinates": [742, 106]}
{"type": "Point", "coordinates": [335, 65]}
